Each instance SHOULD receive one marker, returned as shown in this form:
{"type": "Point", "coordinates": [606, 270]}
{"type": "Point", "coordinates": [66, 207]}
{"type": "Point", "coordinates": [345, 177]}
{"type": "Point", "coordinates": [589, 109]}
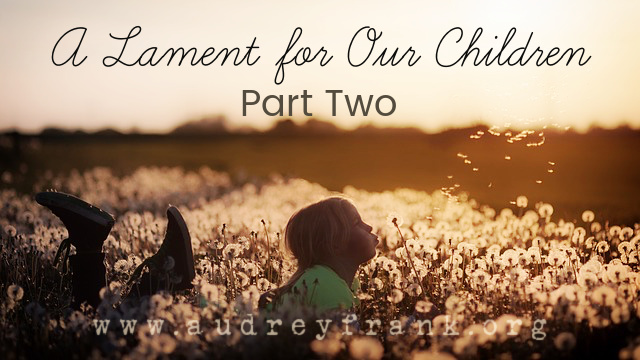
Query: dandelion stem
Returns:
{"type": "Point", "coordinates": [404, 243]}
{"type": "Point", "coordinates": [268, 265]}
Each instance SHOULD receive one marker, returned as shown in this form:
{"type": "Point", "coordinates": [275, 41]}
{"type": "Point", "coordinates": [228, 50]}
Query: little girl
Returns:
{"type": "Point", "coordinates": [330, 242]}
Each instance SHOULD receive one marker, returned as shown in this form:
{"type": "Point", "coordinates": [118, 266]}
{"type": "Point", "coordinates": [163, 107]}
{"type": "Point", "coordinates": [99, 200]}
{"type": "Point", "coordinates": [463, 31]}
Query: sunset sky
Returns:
{"type": "Point", "coordinates": [35, 93]}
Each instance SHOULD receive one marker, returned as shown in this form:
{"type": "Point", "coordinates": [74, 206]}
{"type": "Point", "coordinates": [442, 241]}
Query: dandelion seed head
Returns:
{"type": "Point", "coordinates": [522, 201]}
{"type": "Point", "coordinates": [366, 348]}
{"type": "Point", "coordinates": [10, 230]}
{"type": "Point", "coordinates": [121, 266]}
{"type": "Point", "coordinates": [414, 290]}
{"type": "Point", "coordinates": [327, 347]}
{"type": "Point", "coordinates": [602, 247]}
{"type": "Point", "coordinates": [545, 210]}
{"type": "Point", "coordinates": [395, 296]}
{"type": "Point", "coordinates": [15, 292]}
{"type": "Point", "coordinates": [423, 306]}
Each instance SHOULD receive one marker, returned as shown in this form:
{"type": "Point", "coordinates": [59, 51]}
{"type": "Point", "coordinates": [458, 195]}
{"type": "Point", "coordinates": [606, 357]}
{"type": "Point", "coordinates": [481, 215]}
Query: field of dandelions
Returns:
{"type": "Point", "coordinates": [492, 272]}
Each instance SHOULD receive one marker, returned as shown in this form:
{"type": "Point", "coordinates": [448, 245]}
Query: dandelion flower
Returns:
{"type": "Point", "coordinates": [555, 258]}
{"type": "Point", "coordinates": [326, 347]}
{"type": "Point", "coordinates": [366, 348]}
{"type": "Point", "coordinates": [10, 230]}
{"type": "Point", "coordinates": [414, 290]}
{"type": "Point", "coordinates": [603, 295]}
{"type": "Point", "coordinates": [533, 254]}
{"type": "Point", "coordinates": [251, 269]}
{"type": "Point", "coordinates": [210, 292]}
{"type": "Point", "coordinates": [626, 233]}
{"type": "Point", "coordinates": [423, 306]}
{"type": "Point", "coordinates": [378, 284]}
{"type": "Point", "coordinates": [617, 273]}
{"type": "Point", "coordinates": [121, 266]}
{"type": "Point", "coordinates": [401, 252]}
{"type": "Point", "coordinates": [620, 314]}
{"type": "Point", "coordinates": [231, 251]}
{"type": "Point", "coordinates": [457, 274]}
{"type": "Point", "coordinates": [109, 296]}
{"type": "Point", "coordinates": [454, 303]}
{"type": "Point", "coordinates": [588, 216]}
{"type": "Point", "coordinates": [615, 231]}
{"type": "Point", "coordinates": [264, 284]}
{"type": "Point", "coordinates": [15, 292]}
{"type": "Point", "coordinates": [480, 276]}
{"type": "Point", "coordinates": [135, 220]}
{"type": "Point", "coordinates": [545, 210]}
{"type": "Point", "coordinates": [244, 241]}
{"type": "Point", "coordinates": [510, 257]}
{"type": "Point", "coordinates": [587, 279]}
{"type": "Point", "coordinates": [396, 296]}
{"type": "Point", "coordinates": [465, 347]}
{"type": "Point", "coordinates": [389, 265]}
{"type": "Point", "coordinates": [522, 201]}
{"type": "Point", "coordinates": [602, 247]}
{"type": "Point", "coordinates": [251, 294]}
{"type": "Point", "coordinates": [243, 279]}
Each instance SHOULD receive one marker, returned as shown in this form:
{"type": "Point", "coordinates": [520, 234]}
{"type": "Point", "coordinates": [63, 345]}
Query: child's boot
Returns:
{"type": "Point", "coordinates": [87, 278]}
{"type": "Point", "coordinates": [88, 228]}
{"type": "Point", "coordinates": [177, 245]}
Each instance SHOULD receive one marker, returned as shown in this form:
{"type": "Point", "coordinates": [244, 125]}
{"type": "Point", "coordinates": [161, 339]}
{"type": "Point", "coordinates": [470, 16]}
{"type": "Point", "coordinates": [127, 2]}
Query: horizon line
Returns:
{"type": "Point", "coordinates": [231, 127]}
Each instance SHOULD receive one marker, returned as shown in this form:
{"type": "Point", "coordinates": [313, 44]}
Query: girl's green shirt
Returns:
{"type": "Point", "coordinates": [321, 288]}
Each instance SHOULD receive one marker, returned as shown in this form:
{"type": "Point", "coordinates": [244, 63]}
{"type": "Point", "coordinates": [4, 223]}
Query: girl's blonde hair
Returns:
{"type": "Point", "coordinates": [314, 234]}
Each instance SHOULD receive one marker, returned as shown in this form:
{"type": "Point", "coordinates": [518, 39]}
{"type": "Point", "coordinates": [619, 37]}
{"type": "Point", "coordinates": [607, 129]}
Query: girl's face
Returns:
{"type": "Point", "coordinates": [362, 244]}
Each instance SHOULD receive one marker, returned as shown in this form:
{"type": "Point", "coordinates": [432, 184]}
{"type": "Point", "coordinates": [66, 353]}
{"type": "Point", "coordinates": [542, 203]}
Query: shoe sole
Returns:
{"type": "Point", "coordinates": [53, 199]}
{"type": "Point", "coordinates": [175, 213]}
